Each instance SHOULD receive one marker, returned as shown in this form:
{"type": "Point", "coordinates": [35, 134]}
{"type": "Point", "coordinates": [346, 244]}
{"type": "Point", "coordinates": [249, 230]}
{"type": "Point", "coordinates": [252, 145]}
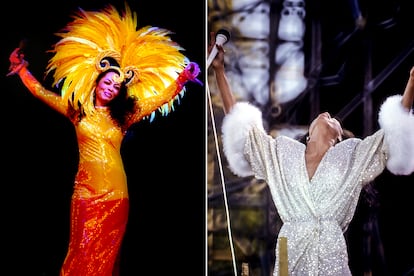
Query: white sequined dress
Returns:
{"type": "Point", "coordinates": [315, 212]}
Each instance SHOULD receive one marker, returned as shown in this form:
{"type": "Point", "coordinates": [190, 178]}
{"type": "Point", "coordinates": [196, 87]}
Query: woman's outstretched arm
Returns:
{"type": "Point", "coordinates": [18, 66]}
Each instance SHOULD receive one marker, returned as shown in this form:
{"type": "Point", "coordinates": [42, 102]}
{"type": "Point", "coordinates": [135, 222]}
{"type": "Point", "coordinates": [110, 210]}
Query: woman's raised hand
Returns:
{"type": "Point", "coordinates": [17, 61]}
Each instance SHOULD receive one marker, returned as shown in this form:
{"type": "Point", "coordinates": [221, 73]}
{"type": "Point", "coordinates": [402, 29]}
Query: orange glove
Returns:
{"type": "Point", "coordinates": [17, 61]}
{"type": "Point", "coordinates": [190, 73]}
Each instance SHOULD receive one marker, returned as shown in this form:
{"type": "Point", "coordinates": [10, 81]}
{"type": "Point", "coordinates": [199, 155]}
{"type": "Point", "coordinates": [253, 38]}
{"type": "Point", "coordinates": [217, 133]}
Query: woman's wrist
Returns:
{"type": "Point", "coordinates": [15, 68]}
{"type": "Point", "coordinates": [189, 73]}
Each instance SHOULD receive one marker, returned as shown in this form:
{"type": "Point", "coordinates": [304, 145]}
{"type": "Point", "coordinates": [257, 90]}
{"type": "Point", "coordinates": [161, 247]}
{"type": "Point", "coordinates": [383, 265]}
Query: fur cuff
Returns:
{"type": "Point", "coordinates": [236, 124]}
{"type": "Point", "coordinates": [398, 126]}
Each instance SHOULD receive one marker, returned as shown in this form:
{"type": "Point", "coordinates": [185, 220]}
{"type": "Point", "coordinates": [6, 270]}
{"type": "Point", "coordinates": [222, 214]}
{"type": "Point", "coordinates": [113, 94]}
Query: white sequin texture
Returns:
{"type": "Point", "coordinates": [315, 212]}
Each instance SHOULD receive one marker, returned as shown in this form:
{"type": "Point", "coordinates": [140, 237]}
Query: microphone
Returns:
{"type": "Point", "coordinates": [22, 45]}
{"type": "Point", "coordinates": [222, 36]}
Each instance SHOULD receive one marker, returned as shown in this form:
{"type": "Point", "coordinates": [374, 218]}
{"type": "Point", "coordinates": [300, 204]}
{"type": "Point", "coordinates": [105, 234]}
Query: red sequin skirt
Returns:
{"type": "Point", "coordinates": [96, 233]}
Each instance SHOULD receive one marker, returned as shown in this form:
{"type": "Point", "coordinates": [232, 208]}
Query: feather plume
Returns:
{"type": "Point", "coordinates": [148, 53]}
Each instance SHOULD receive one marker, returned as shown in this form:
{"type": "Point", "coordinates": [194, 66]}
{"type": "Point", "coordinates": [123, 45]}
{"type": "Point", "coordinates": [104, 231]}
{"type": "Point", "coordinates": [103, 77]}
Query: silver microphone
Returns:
{"type": "Point", "coordinates": [222, 36]}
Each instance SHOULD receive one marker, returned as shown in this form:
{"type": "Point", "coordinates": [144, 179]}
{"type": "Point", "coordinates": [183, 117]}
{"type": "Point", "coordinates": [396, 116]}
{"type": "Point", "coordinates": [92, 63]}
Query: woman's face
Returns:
{"type": "Point", "coordinates": [107, 89]}
{"type": "Point", "coordinates": [326, 126]}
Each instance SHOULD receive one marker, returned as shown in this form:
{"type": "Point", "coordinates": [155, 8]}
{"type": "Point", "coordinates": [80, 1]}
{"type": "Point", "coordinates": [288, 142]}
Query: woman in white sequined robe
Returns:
{"type": "Point", "coordinates": [315, 187]}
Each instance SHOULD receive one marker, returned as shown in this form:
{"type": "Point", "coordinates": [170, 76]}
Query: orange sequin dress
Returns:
{"type": "Point", "coordinates": [99, 205]}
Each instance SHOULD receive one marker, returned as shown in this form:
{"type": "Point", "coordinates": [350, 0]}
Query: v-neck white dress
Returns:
{"type": "Point", "coordinates": [315, 212]}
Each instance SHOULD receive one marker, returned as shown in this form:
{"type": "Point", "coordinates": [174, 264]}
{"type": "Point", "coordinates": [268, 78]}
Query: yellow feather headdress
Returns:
{"type": "Point", "coordinates": [147, 57]}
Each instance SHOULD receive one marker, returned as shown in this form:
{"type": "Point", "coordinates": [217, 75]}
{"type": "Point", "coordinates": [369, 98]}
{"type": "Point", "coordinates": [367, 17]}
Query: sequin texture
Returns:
{"type": "Point", "coordinates": [100, 201]}
{"type": "Point", "coordinates": [315, 212]}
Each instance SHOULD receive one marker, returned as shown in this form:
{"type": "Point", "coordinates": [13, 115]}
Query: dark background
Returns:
{"type": "Point", "coordinates": [164, 159]}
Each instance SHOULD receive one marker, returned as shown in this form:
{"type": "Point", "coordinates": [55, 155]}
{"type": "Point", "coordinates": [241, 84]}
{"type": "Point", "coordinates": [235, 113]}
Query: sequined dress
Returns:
{"type": "Point", "coordinates": [99, 206]}
{"type": "Point", "coordinates": [315, 211]}
{"type": "Point", "coordinates": [100, 203]}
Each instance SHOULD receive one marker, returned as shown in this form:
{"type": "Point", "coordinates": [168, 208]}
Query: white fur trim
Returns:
{"type": "Point", "coordinates": [398, 126]}
{"type": "Point", "coordinates": [236, 124]}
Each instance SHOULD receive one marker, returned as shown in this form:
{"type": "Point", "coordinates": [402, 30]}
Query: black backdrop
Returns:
{"type": "Point", "coordinates": [164, 159]}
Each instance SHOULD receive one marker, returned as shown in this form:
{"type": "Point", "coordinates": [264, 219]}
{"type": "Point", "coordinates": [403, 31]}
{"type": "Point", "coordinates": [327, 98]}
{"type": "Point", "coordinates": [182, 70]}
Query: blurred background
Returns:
{"type": "Point", "coordinates": [164, 159]}
{"type": "Point", "coordinates": [294, 59]}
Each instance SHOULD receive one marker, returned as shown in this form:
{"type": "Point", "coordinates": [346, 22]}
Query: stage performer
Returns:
{"type": "Point", "coordinates": [110, 75]}
{"type": "Point", "coordinates": [315, 185]}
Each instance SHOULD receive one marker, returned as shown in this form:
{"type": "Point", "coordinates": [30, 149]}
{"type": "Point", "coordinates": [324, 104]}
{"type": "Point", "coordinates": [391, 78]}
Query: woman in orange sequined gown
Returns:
{"type": "Point", "coordinates": [100, 204]}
